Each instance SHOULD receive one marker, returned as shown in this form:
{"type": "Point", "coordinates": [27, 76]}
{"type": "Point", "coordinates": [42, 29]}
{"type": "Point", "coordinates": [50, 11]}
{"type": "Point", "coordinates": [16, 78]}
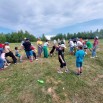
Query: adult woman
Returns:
{"type": "Point", "coordinates": [39, 44]}
{"type": "Point", "coordinates": [45, 49]}
{"type": "Point", "coordinates": [95, 46]}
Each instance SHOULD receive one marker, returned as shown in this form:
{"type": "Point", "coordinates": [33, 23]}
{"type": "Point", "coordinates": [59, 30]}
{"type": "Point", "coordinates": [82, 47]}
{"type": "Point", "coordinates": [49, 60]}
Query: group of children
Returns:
{"type": "Point", "coordinates": [78, 47]}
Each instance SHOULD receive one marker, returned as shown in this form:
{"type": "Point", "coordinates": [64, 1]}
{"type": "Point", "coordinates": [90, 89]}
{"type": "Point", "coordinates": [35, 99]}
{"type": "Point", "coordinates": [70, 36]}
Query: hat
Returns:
{"type": "Point", "coordinates": [62, 45]}
{"type": "Point", "coordinates": [6, 42]}
{"type": "Point", "coordinates": [96, 37]}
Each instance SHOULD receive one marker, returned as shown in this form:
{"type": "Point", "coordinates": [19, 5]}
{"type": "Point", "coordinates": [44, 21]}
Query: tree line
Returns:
{"type": "Point", "coordinates": [83, 35]}
{"type": "Point", "coordinates": [16, 37]}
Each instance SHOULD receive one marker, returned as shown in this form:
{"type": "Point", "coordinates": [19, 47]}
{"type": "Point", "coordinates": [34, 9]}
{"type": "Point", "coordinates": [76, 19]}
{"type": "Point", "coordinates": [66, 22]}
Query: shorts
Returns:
{"type": "Point", "coordinates": [79, 64]}
{"type": "Point", "coordinates": [29, 53]}
{"type": "Point", "coordinates": [71, 49]}
{"type": "Point", "coordinates": [62, 64]}
{"type": "Point", "coordinates": [18, 55]}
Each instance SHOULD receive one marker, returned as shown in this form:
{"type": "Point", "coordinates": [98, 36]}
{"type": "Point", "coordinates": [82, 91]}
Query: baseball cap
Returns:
{"type": "Point", "coordinates": [6, 42]}
{"type": "Point", "coordinates": [96, 37]}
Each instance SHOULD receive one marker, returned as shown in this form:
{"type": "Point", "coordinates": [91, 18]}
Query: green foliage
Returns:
{"type": "Point", "coordinates": [84, 35]}
{"type": "Point", "coordinates": [43, 38]}
{"type": "Point", "coordinates": [16, 37]}
{"type": "Point", "coordinates": [2, 38]}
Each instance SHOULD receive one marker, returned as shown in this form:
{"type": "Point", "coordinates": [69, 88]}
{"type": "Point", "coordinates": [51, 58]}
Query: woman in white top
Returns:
{"type": "Point", "coordinates": [45, 49]}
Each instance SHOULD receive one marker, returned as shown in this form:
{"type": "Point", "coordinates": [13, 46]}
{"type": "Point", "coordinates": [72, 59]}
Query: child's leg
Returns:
{"type": "Point", "coordinates": [21, 58]}
{"type": "Point", "coordinates": [61, 67]}
{"type": "Point", "coordinates": [78, 67]}
{"type": "Point", "coordinates": [81, 68]}
{"type": "Point", "coordinates": [65, 67]}
{"type": "Point", "coordinates": [78, 70]}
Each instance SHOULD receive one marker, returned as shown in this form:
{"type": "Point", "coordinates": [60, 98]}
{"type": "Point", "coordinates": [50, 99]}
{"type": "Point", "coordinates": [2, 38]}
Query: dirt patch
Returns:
{"type": "Point", "coordinates": [26, 97]}
{"type": "Point", "coordinates": [55, 82]}
{"type": "Point", "coordinates": [98, 77]}
{"type": "Point", "coordinates": [55, 97]}
{"type": "Point", "coordinates": [3, 80]}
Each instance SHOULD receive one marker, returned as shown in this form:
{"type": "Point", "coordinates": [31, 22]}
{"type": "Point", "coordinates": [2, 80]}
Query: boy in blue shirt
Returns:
{"type": "Point", "coordinates": [79, 59]}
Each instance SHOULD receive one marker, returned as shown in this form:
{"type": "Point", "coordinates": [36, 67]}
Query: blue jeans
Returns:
{"type": "Point", "coordinates": [94, 51]}
{"type": "Point", "coordinates": [1, 50]}
{"type": "Point", "coordinates": [1, 63]}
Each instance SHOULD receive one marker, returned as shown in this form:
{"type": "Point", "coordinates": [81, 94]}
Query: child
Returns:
{"type": "Point", "coordinates": [34, 52]}
{"type": "Point", "coordinates": [79, 59]}
{"type": "Point", "coordinates": [4, 59]}
{"type": "Point", "coordinates": [17, 54]}
{"type": "Point", "coordinates": [61, 58]}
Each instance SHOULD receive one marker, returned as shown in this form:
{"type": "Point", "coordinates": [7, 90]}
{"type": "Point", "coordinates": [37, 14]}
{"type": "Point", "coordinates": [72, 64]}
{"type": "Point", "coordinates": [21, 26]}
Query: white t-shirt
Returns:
{"type": "Point", "coordinates": [3, 56]}
{"type": "Point", "coordinates": [55, 41]}
{"type": "Point", "coordinates": [71, 44]}
{"type": "Point", "coordinates": [7, 49]}
{"type": "Point", "coordinates": [46, 44]}
{"type": "Point", "coordinates": [79, 43]}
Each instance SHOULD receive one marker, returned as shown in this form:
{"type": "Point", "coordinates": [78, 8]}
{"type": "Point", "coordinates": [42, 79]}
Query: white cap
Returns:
{"type": "Point", "coordinates": [62, 45]}
{"type": "Point", "coordinates": [96, 37]}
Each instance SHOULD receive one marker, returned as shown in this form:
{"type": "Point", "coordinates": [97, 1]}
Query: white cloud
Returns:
{"type": "Point", "coordinates": [43, 16]}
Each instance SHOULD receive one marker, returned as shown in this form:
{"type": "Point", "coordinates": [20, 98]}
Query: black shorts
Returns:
{"type": "Point", "coordinates": [62, 64]}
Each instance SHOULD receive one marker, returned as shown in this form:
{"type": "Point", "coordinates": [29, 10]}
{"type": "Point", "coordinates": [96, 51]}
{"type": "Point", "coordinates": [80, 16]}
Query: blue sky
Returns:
{"type": "Point", "coordinates": [50, 16]}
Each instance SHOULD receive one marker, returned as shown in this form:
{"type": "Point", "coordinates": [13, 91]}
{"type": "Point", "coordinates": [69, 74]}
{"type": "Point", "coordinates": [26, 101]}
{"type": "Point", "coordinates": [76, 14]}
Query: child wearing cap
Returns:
{"type": "Point", "coordinates": [79, 59]}
{"type": "Point", "coordinates": [61, 59]}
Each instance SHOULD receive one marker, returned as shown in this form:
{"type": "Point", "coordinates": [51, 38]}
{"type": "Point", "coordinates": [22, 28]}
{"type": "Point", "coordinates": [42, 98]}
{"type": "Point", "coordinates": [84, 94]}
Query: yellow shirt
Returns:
{"type": "Point", "coordinates": [39, 42]}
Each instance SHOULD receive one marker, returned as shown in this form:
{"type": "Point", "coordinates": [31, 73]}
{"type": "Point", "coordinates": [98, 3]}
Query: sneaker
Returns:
{"type": "Point", "coordinates": [66, 71]}
{"type": "Point", "coordinates": [5, 67]}
{"type": "Point", "coordinates": [36, 59]}
{"type": "Point", "coordinates": [91, 57]}
{"type": "Point", "coordinates": [60, 72]}
{"type": "Point", "coordinates": [78, 74]}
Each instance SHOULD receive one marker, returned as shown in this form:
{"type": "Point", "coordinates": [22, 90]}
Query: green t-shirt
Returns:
{"type": "Point", "coordinates": [89, 45]}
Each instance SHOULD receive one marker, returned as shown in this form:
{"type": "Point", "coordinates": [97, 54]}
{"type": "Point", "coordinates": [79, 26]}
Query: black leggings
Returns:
{"type": "Point", "coordinates": [62, 64]}
{"type": "Point", "coordinates": [34, 54]}
{"type": "Point", "coordinates": [53, 49]}
{"type": "Point", "coordinates": [11, 55]}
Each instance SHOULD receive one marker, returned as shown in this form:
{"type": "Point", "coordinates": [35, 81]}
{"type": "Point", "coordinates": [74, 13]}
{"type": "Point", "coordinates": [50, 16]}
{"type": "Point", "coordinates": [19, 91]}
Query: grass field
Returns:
{"type": "Point", "coordinates": [18, 83]}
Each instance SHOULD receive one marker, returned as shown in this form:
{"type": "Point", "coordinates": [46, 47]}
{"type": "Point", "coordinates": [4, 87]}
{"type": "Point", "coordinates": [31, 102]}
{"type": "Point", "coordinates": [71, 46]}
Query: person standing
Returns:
{"type": "Point", "coordinates": [79, 59]}
{"type": "Point", "coordinates": [45, 49]}
{"type": "Point", "coordinates": [89, 45]}
{"type": "Point", "coordinates": [39, 45]}
{"type": "Point", "coordinates": [95, 46]}
{"type": "Point", "coordinates": [71, 45]}
{"type": "Point", "coordinates": [27, 47]}
{"type": "Point", "coordinates": [61, 59]}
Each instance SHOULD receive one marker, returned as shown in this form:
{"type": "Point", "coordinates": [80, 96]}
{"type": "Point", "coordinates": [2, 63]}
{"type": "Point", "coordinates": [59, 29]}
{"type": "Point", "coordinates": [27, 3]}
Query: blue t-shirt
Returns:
{"type": "Point", "coordinates": [80, 56]}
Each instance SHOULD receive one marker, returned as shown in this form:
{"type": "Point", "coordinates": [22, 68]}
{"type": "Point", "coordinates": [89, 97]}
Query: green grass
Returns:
{"type": "Point", "coordinates": [18, 83]}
